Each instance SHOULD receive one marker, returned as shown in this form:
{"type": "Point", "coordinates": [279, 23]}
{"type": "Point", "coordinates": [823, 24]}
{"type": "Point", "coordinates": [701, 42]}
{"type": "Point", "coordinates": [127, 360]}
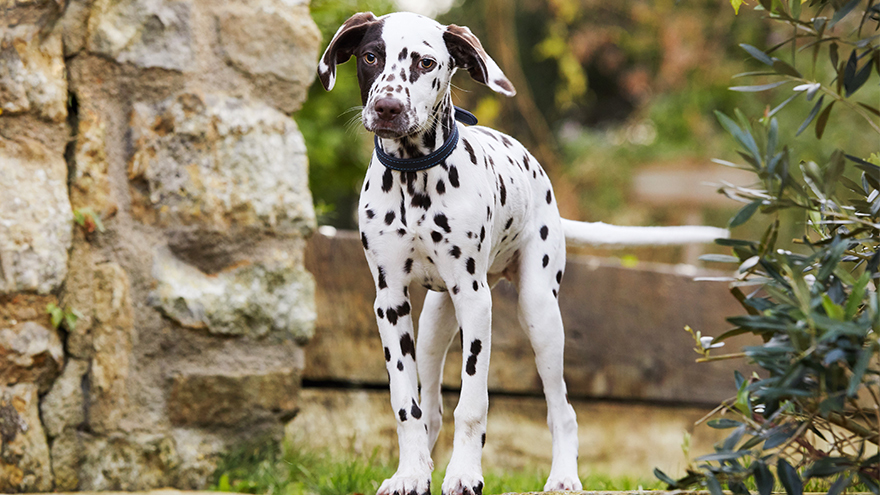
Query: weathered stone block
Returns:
{"type": "Point", "coordinates": [274, 43]}
{"type": "Point", "coordinates": [30, 353]}
{"type": "Point", "coordinates": [35, 217]}
{"type": "Point", "coordinates": [32, 75]}
{"type": "Point", "coordinates": [90, 188]}
{"type": "Point", "coordinates": [127, 462]}
{"type": "Point", "coordinates": [274, 295]}
{"type": "Point", "coordinates": [221, 165]}
{"type": "Point", "coordinates": [111, 342]}
{"type": "Point", "coordinates": [233, 399]}
{"type": "Point", "coordinates": [24, 453]}
{"type": "Point", "coordinates": [63, 406]}
{"type": "Point", "coordinates": [145, 33]}
{"type": "Point", "coordinates": [99, 291]}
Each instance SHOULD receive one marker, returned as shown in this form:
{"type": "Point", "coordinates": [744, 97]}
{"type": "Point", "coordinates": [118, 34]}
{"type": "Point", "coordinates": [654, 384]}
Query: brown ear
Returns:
{"type": "Point", "coordinates": [469, 54]}
{"type": "Point", "coordinates": [343, 46]}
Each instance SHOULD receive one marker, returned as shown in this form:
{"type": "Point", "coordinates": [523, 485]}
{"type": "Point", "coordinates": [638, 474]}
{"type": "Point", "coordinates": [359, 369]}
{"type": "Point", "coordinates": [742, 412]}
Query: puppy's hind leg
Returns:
{"type": "Point", "coordinates": [437, 328]}
{"type": "Point", "coordinates": [540, 317]}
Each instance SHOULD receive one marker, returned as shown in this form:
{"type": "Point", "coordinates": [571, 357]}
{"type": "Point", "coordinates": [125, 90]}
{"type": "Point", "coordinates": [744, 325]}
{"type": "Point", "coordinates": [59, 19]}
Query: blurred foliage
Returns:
{"type": "Point", "coordinates": [621, 87]}
{"type": "Point", "coordinates": [813, 412]}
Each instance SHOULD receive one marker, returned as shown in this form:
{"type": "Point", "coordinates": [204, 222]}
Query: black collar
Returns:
{"type": "Point", "coordinates": [432, 159]}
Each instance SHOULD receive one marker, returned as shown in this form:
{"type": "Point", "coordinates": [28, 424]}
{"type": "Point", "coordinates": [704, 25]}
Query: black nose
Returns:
{"type": "Point", "coordinates": [388, 108]}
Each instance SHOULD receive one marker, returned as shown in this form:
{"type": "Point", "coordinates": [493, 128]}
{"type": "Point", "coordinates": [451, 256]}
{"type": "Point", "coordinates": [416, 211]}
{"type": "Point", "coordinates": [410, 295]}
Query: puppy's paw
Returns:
{"type": "Point", "coordinates": [406, 485]}
{"type": "Point", "coordinates": [557, 483]}
{"type": "Point", "coordinates": [463, 484]}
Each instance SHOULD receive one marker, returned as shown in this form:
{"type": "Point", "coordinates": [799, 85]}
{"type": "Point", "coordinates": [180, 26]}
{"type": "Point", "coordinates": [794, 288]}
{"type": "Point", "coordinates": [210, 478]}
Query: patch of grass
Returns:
{"type": "Point", "coordinates": [266, 468]}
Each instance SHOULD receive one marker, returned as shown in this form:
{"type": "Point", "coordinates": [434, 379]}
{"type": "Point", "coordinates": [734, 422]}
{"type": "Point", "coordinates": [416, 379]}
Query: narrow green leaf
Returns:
{"type": "Point", "coordinates": [744, 137]}
{"type": "Point", "coordinates": [723, 456]}
{"type": "Point", "coordinates": [840, 14]}
{"type": "Point", "coordinates": [757, 54]}
{"type": "Point", "coordinates": [763, 478]}
{"type": "Point", "coordinates": [719, 258]}
{"type": "Point", "coordinates": [870, 109]}
{"type": "Point", "coordinates": [789, 478]}
{"type": "Point", "coordinates": [856, 296]}
{"type": "Point", "coordinates": [757, 88]}
{"type": "Point", "coordinates": [833, 54]}
{"type": "Point", "coordinates": [744, 214]}
{"type": "Point", "coordinates": [723, 423]}
{"type": "Point", "coordinates": [785, 69]}
{"type": "Point", "coordinates": [858, 80]}
{"type": "Point", "coordinates": [834, 311]}
{"type": "Point", "coordinates": [660, 475]}
{"type": "Point", "coordinates": [840, 485]}
{"type": "Point", "coordinates": [713, 485]}
{"type": "Point", "coordinates": [823, 120]}
{"type": "Point", "coordinates": [859, 369]}
{"type": "Point", "coordinates": [812, 115]}
{"type": "Point", "coordinates": [779, 107]}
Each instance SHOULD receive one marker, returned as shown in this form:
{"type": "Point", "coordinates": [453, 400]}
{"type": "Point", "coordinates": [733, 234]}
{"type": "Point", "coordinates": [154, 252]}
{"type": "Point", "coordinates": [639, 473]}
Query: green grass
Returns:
{"type": "Point", "coordinates": [271, 470]}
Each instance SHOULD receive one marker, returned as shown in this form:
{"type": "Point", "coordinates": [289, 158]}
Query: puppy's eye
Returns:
{"type": "Point", "coordinates": [370, 58]}
{"type": "Point", "coordinates": [427, 63]}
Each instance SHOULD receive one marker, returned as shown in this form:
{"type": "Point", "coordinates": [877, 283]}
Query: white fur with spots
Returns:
{"type": "Point", "coordinates": [487, 212]}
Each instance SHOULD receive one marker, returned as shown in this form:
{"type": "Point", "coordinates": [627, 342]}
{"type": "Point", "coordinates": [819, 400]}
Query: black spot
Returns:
{"type": "Point", "coordinates": [476, 286]}
{"type": "Point", "coordinates": [402, 414]}
{"type": "Point", "coordinates": [509, 223]}
{"type": "Point", "coordinates": [401, 232]}
{"type": "Point", "coordinates": [471, 265]}
{"type": "Point", "coordinates": [387, 180]}
{"type": "Point", "coordinates": [442, 222]}
{"type": "Point", "coordinates": [407, 265]}
{"type": "Point", "coordinates": [387, 355]}
{"type": "Point", "coordinates": [455, 289]}
{"type": "Point", "coordinates": [407, 346]}
{"type": "Point", "coordinates": [400, 365]}
{"type": "Point", "coordinates": [389, 217]}
{"type": "Point", "coordinates": [482, 233]}
{"type": "Point", "coordinates": [455, 252]}
{"type": "Point", "coordinates": [544, 232]}
{"type": "Point", "coordinates": [555, 294]}
{"type": "Point", "coordinates": [549, 196]}
{"type": "Point", "coordinates": [402, 211]}
{"type": "Point", "coordinates": [421, 200]}
{"type": "Point", "coordinates": [370, 214]}
{"type": "Point", "coordinates": [402, 55]}
{"type": "Point", "coordinates": [478, 490]}
{"type": "Point", "coordinates": [366, 186]}
{"type": "Point", "coordinates": [429, 260]}
{"type": "Point", "coordinates": [559, 277]}
{"type": "Point", "coordinates": [364, 241]}
{"type": "Point", "coordinates": [503, 191]}
{"type": "Point", "coordinates": [441, 187]}
{"type": "Point", "coordinates": [436, 236]}
{"type": "Point", "coordinates": [470, 150]}
{"type": "Point", "coordinates": [392, 316]}
{"type": "Point", "coordinates": [483, 440]}
{"type": "Point", "coordinates": [507, 143]}
{"type": "Point", "coordinates": [476, 346]}
{"type": "Point", "coordinates": [382, 283]}
{"type": "Point", "coordinates": [471, 366]}
{"type": "Point", "coordinates": [453, 176]}
{"type": "Point", "coordinates": [380, 313]}
{"type": "Point", "coordinates": [403, 309]}
{"type": "Point", "coordinates": [415, 411]}
{"type": "Point", "coordinates": [545, 261]}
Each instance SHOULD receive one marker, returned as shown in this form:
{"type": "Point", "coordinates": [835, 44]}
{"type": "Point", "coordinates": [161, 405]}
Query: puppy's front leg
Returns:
{"type": "Point", "coordinates": [464, 475]}
{"type": "Point", "coordinates": [392, 307]}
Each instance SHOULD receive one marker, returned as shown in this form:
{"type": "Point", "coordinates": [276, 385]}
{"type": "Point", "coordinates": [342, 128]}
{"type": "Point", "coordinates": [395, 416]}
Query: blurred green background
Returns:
{"type": "Point", "coordinates": [616, 99]}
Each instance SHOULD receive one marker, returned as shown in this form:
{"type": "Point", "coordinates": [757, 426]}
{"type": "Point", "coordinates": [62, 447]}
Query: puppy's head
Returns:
{"type": "Point", "coordinates": [405, 64]}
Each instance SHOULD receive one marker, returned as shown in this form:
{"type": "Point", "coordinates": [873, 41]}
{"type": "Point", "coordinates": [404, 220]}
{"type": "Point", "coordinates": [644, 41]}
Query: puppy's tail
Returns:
{"type": "Point", "coordinates": [603, 234]}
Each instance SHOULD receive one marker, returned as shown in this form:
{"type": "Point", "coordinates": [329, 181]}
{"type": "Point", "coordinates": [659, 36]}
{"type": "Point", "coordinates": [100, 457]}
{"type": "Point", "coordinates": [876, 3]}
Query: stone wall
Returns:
{"type": "Point", "coordinates": [153, 189]}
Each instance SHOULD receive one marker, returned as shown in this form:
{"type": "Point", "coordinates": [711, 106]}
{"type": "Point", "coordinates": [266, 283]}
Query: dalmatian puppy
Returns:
{"type": "Point", "coordinates": [456, 208]}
